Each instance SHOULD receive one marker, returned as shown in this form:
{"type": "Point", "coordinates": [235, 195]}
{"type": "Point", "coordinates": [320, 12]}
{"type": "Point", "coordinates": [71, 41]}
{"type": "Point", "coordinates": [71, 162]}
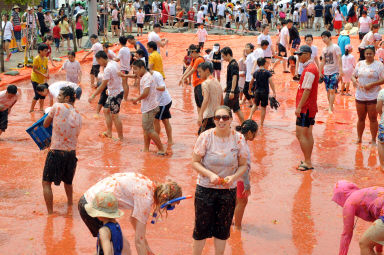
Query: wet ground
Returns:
{"type": "Point", "coordinates": [289, 212]}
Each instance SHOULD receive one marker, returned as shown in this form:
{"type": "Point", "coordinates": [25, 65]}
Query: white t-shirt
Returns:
{"type": "Point", "coordinates": [154, 37]}
{"type": "Point", "coordinates": [205, 7]}
{"type": "Point", "coordinates": [338, 16]}
{"type": "Point", "coordinates": [313, 55]}
{"type": "Point", "coordinates": [96, 48]}
{"type": "Point", "coordinates": [7, 30]}
{"type": "Point", "coordinates": [200, 17]}
{"type": "Point", "coordinates": [249, 63]}
{"type": "Point", "coordinates": [111, 73]}
{"type": "Point", "coordinates": [172, 9]}
{"type": "Point", "coordinates": [114, 15]}
{"type": "Point", "coordinates": [150, 102]}
{"type": "Point", "coordinates": [380, 97]}
{"type": "Point", "coordinates": [54, 88]}
{"type": "Point", "coordinates": [163, 97]}
{"type": "Point", "coordinates": [111, 55]}
{"type": "Point", "coordinates": [220, 9]}
{"type": "Point", "coordinates": [367, 74]}
{"type": "Point", "coordinates": [262, 37]}
{"type": "Point", "coordinates": [364, 24]}
{"type": "Point", "coordinates": [155, 7]}
{"type": "Point", "coordinates": [283, 34]}
{"type": "Point", "coordinates": [140, 17]}
{"type": "Point", "coordinates": [202, 34]}
{"type": "Point", "coordinates": [330, 56]}
{"type": "Point", "coordinates": [349, 63]}
{"type": "Point", "coordinates": [72, 69]}
{"type": "Point", "coordinates": [368, 39]}
{"type": "Point", "coordinates": [136, 5]}
{"type": "Point", "coordinates": [125, 59]}
{"type": "Point", "coordinates": [258, 53]}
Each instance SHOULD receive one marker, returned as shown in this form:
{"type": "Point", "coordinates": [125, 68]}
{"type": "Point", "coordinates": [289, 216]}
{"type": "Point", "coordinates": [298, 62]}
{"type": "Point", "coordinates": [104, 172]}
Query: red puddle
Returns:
{"type": "Point", "coordinates": [289, 212]}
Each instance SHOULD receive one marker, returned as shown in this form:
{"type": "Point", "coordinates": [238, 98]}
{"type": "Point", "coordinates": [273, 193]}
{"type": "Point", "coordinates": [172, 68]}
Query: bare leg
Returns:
{"type": "Point", "coordinates": [41, 102]}
{"type": "Point", "coordinates": [147, 140]}
{"type": "Point", "coordinates": [125, 87]}
{"type": "Point", "coordinates": [119, 126]}
{"type": "Point", "coordinates": [380, 148]}
{"type": "Point", "coordinates": [168, 130]}
{"type": "Point", "coordinates": [366, 245]}
{"type": "Point", "coordinates": [253, 109]}
{"type": "Point", "coordinates": [361, 114]}
{"type": "Point", "coordinates": [198, 246]}
{"type": "Point", "coordinates": [263, 111]}
{"type": "Point", "coordinates": [69, 191]}
{"type": "Point", "coordinates": [156, 124]}
{"type": "Point", "coordinates": [34, 101]}
{"type": "Point", "coordinates": [241, 203]}
{"type": "Point", "coordinates": [331, 99]}
{"type": "Point", "coordinates": [92, 81]}
{"type": "Point", "coordinates": [219, 246]}
{"type": "Point", "coordinates": [48, 196]}
{"type": "Point", "coordinates": [156, 139]}
{"type": "Point", "coordinates": [240, 115]}
{"type": "Point", "coordinates": [373, 125]}
{"type": "Point", "coordinates": [108, 122]}
{"type": "Point", "coordinates": [305, 137]}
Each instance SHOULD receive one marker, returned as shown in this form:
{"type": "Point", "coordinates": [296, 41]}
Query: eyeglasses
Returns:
{"type": "Point", "coordinates": [223, 117]}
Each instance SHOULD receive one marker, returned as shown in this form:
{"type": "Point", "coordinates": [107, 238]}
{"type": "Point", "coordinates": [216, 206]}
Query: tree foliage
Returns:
{"type": "Point", "coordinates": [17, 1]}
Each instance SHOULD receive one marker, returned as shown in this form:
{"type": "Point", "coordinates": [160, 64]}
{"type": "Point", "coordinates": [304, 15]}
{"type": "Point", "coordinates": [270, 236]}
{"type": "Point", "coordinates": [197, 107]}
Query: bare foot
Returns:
{"type": "Point", "coordinates": [170, 143]}
{"type": "Point", "coordinates": [32, 110]}
{"type": "Point", "coordinates": [105, 135]}
{"type": "Point", "coordinates": [330, 110]}
{"type": "Point", "coordinates": [373, 142]}
{"type": "Point", "coordinates": [358, 141]}
{"type": "Point", "coordinates": [145, 150]}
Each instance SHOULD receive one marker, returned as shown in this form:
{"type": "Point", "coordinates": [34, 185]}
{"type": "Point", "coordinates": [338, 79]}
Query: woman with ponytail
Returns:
{"type": "Point", "coordinates": [135, 192]}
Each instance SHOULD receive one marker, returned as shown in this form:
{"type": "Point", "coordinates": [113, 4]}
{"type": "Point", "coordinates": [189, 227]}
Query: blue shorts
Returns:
{"type": "Point", "coordinates": [380, 135]}
{"type": "Point", "coordinates": [331, 81]}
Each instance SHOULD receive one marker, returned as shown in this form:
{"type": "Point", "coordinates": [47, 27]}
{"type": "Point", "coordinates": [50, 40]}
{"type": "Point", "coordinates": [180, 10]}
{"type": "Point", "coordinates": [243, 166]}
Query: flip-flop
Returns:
{"type": "Point", "coordinates": [287, 72]}
{"type": "Point", "coordinates": [304, 168]}
{"type": "Point", "coordinates": [104, 135]}
{"type": "Point", "coordinates": [162, 154]}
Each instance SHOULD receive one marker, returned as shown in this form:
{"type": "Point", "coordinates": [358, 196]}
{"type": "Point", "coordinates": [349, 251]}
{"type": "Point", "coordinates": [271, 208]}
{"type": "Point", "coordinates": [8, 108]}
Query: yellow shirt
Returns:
{"type": "Point", "coordinates": [129, 11]}
{"type": "Point", "coordinates": [259, 14]}
{"type": "Point", "coordinates": [42, 67]}
{"type": "Point", "coordinates": [64, 27]}
{"type": "Point", "coordinates": [157, 62]}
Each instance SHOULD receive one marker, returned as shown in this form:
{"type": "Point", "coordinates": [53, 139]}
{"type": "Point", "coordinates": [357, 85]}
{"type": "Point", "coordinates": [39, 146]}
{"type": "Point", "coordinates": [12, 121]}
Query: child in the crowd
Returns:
{"type": "Point", "coordinates": [39, 75]}
{"type": "Point", "coordinates": [296, 17]}
{"type": "Point", "coordinates": [380, 52]}
{"type": "Point", "coordinates": [54, 90]}
{"type": "Point", "coordinates": [349, 63]}
{"type": "Point", "coordinates": [96, 47]}
{"type": "Point", "coordinates": [242, 72]}
{"type": "Point", "coordinates": [265, 20]}
{"type": "Point", "coordinates": [186, 62]}
{"type": "Point", "coordinates": [111, 55]}
{"type": "Point", "coordinates": [292, 64]}
{"type": "Point", "coordinates": [243, 20]}
{"type": "Point", "coordinates": [179, 17]}
{"type": "Point", "coordinates": [228, 19]}
{"type": "Point", "coordinates": [56, 35]}
{"type": "Point", "coordinates": [207, 56]}
{"type": "Point", "coordinates": [8, 99]}
{"type": "Point", "coordinates": [260, 83]}
{"type": "Point", "coordinates": [72, 68]}
{"type": "Point", "coordinates": [202, 35]}
{"type": "Point", "coordinates": [124, 57]}
{"type": "Point", "coordinates": [249, 129]}
{"type": "Point", "coordinates": [140, 55]}
{"type": "Point", "coordinates": [48, 40]}
{"type": "Point", "coordinates": [140, 21]}
{"type": "Point", "coordinates": [8, 35]}
{"type": "Point", "coordinates": [105, 208]}
{"type": "Point", "coordinates": [216, 61]}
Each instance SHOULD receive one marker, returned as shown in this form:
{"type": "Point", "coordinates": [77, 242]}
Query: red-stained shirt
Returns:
{"type": "Point", "coordinates": [311, 104]}
{"type": "Point", "coordinates": [56, 32]}
{"type": "Point", "coordinates": [191, 15]}
{"type": "Point", "coordinates": [196, 80]}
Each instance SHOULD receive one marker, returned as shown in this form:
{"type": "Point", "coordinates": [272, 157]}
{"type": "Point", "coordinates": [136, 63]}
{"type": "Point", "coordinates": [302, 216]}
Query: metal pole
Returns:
{"type": "Point", "coordinates": [92, 21]}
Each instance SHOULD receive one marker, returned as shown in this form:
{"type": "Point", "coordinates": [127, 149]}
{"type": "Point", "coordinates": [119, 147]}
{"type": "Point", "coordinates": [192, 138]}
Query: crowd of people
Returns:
{"type": "Point", "coordinates": [221, 156]}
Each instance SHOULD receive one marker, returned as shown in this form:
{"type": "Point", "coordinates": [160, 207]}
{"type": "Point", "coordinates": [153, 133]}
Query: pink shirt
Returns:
{"type": "Point", "coordinates": [366, 204]}
{"type": "Point", "coordinates": [5, 102]}
{"type": "Point", "coordinates": [220, 155]}
{"type": "Point", "coordinates": [202, 34]}
{"type": "Point", "coordinates": [132, 190]}
{"type": "Point", "coordinates": [66, 127]}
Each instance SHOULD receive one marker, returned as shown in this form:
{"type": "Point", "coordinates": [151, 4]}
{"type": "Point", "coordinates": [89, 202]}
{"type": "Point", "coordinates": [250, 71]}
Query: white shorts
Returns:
{"type": "Point", "coordinates": [318, 20]}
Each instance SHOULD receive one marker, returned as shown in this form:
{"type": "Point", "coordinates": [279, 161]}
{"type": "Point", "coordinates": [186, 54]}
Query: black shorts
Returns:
{"type": "Point", "coordinates": [60, 166]}
{"type": "Point", "coordinates": [361, 35]}
{"type": "Point", "coordinates": [328, 20]}
{"type": "Point", "coordinates": [140, 25]}
{"type": "Point", "coordinates": [296, 43]}
{"type": "Point", "coordinates": [246, 91]}
{"type": "Point", "coordinates": [93, 224]}
{"type": "Point", "coordinates": [304, 120]}
{"type": "Point", "coordinates": [113, 103]}
{"type": "Point", "coordinates": [37, 96]}
{"type": "Point", "coordinates": [207, 123]}
{"type": "Point", "coordinates": [147, 19]}
{"type": "Point", "coordinates": [198, 95]}
{"type": "Point", "coordinates": [164, 112]}
{"type": "Point", "coordinates": [232, 103]}
{"type": "Point", "coordinates": [282, 49]}
{"type": "Point", "coordinates": [214, 209]}
{"type": "Point", "coordinates": [201, 45]}
{"type": "Point", "coordinates": [115, 23]}
{"type": "Point", "coordinates": [261, 98]}
{"type": "Point", "coordinates": [65, 36]}
{"type": "Point", "coordinates": [95, 70]}
{"type": "Point", "coordinates": [3, 120]}
{"type": "Point", "coordinates": [79, 33]}
{"type": "Point", "coordinates": [103, 97]}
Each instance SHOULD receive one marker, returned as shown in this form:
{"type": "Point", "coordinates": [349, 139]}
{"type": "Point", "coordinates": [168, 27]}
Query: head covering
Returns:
{"type": "Point", "coordinates": [104, 205]}
{"type": "Point", "coordinates": [348, 47]}
{"type": "Point", "coordinates": [29, 8]}
{"type": "Point", "coordinates": [16, 7]}
{"type": "Point", "coordinates": [343, 189]}
{"type": "Point", "coordinates": [349, 29]}
{"type": "Point", "coordinates": [304, 49]}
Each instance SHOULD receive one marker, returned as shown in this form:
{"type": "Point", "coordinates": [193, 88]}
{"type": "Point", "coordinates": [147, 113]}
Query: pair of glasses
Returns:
{"type": "Point", "coordinates": [223, 117]}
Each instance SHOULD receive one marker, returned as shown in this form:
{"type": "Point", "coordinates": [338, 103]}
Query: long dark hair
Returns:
{"type": "Point", "coordinates": [246, 126]}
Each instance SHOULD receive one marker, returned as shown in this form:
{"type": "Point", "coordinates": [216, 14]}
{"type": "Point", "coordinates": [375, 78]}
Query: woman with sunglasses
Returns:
{"type": "Point", "coordinates": [220, 159]}
{"type": "Point", "coordinates": [367, 78]}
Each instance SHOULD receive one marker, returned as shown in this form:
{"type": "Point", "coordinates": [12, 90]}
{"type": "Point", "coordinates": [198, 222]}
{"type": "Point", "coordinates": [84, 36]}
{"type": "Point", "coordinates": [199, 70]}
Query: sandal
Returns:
{"type": "Point", "coordinates": [303, 167]}
{"type": "Point", "coordinates": [286, 71]}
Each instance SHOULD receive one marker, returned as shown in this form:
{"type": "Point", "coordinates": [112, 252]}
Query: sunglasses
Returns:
{"type": "Point", "coordinates": [223, 117]}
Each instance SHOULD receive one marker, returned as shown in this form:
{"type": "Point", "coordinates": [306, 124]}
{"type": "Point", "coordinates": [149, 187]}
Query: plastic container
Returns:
{"type": "Point", "coordinates": [40, 134]}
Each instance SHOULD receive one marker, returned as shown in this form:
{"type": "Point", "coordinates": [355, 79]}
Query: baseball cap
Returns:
{"type": "Point", "coordinates": [303, 49]}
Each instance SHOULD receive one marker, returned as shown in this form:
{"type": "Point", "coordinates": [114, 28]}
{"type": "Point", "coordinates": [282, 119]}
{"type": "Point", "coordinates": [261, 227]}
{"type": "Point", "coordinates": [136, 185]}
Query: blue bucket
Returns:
{"type": "Point", "coordinates": [40, 134]}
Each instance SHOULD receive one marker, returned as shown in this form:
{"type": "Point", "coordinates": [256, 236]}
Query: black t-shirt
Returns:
{"type": "Point", "coordinates": [319, 10]}
{"type": "Point", "coordinates": [269, 7]}
{"type": "Point", "coordinates": [232, 69]}
{"type": "Point", "coordinates": [293, 34]}
{"type": "Point", "coordinates": [381, 6]}
{"type": "Point", "coordinates": [252, 9]}
{"type": "Point", "coordinates": [361, 9]}
{"type": "Point", "coordinates": [40, 17]}
{"type": "Point", "coordinates": [261, 81]}
{"type": "Point", "coordinates": [328, 9]}
{"type": "Point", "coordinates": [216, 65]}
{"type": "Point", "coordinates": [147, 9]}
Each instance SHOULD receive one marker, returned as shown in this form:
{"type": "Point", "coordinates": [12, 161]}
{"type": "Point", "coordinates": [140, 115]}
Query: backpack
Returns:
{"type": "Point", "coordinates": [282, 15]}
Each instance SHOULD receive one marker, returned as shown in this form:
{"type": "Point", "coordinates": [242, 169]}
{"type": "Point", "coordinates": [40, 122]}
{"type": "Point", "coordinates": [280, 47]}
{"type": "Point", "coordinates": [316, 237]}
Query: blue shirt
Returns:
{"type": "Point", "coordinates": [344, 10]}
{"type": "Point", "coordinates": [342, 42]}
{"type": "Point", "coordinates": [142, 47]}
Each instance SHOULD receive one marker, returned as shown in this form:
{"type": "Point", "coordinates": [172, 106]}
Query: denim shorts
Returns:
{"type": "Point", "coordinates": [380, 133]}
{"type": "Point", "coordinates": [331, 81]}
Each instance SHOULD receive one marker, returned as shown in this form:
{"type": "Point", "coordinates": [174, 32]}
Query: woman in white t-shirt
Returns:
{"type": "Point", "coordinates": [349, 63]}
{"type": "Point", "coordinates": [367, 78]}
{"type": "Point", "coordinates": [364, 25]}
{"type": "Point", "coordinates": [134, 192]}
{"type": "Point", "coordinates": [8, 34]}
